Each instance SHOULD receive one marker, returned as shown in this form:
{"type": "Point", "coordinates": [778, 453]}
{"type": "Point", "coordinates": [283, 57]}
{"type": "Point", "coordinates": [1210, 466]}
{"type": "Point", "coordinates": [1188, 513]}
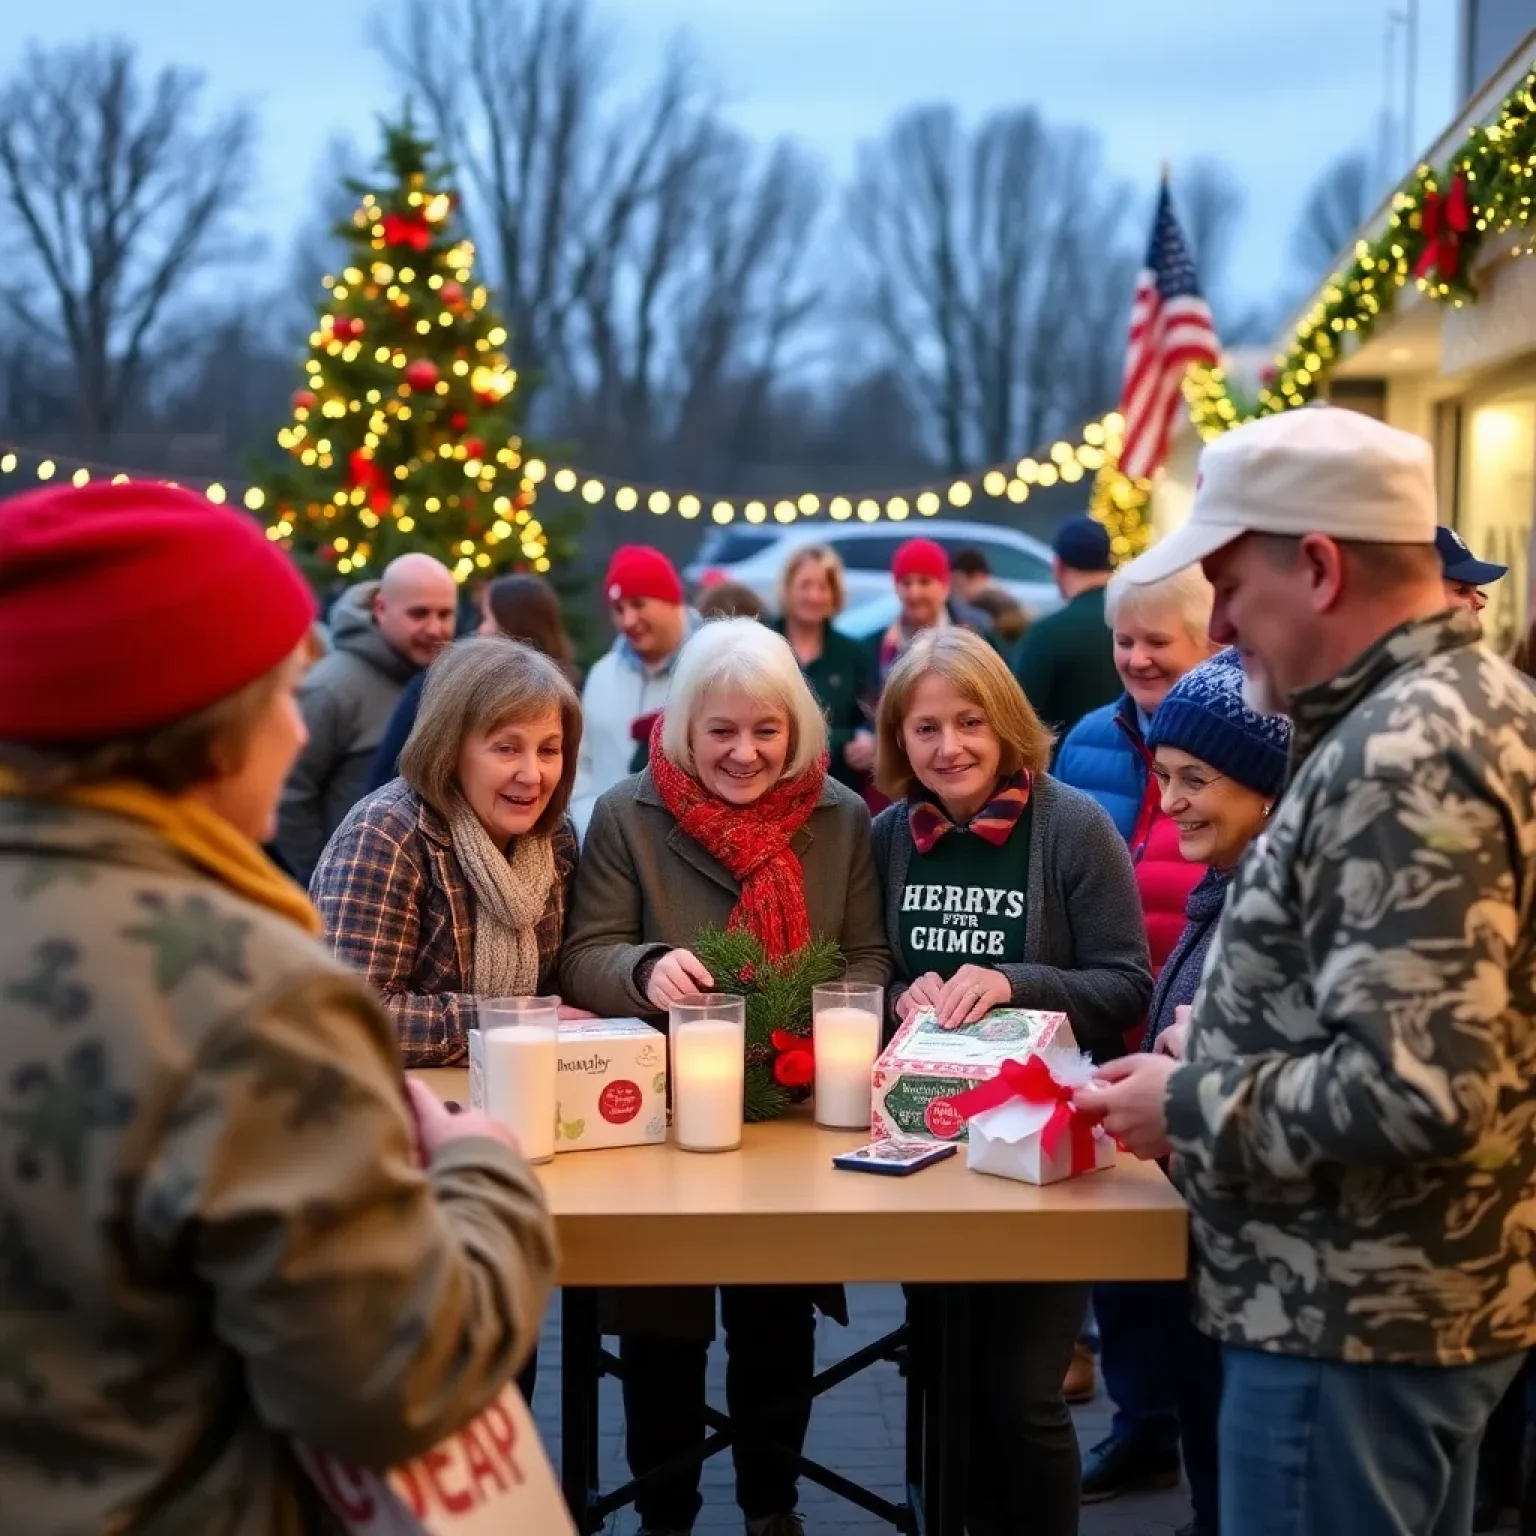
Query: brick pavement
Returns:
{"type": "Point", "coordinates": [857, 1429]}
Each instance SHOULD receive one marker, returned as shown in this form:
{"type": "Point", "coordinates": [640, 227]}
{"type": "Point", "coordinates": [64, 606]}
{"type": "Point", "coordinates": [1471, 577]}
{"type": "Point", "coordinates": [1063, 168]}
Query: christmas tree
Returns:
{"type": "Point", "coordinates": [404, 434]}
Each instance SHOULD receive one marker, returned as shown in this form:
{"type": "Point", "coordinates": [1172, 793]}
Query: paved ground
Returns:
{"type": "Point", "coordinates": [857, 1429]}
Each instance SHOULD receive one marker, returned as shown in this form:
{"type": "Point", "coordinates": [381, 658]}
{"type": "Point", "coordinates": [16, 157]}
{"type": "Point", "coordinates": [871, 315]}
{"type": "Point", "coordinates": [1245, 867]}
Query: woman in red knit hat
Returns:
{"type": "Point", "coordinates": [225, 1224]}
{"type": "Point", "coordinates": [921, 573]}
{"type": "Point", "coordinates": [734, 823]}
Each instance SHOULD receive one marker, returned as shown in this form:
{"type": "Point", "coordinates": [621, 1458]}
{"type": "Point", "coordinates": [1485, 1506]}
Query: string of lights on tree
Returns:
{"type": "Point", "coordinates": [403, 432]}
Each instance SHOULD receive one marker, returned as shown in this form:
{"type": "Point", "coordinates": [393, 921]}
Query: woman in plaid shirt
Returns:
{"type": "Point", "coordinates": [450, 883]}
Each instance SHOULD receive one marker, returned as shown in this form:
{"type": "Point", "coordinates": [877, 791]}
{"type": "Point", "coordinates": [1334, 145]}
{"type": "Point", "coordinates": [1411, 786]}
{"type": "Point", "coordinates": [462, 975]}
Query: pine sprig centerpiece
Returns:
{"type": "Point", "coordinates": [780, 1067]}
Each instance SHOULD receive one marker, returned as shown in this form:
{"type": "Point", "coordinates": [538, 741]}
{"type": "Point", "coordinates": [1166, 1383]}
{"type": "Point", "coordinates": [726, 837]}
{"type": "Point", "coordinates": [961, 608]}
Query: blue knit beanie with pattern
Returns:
{"type": "Point", "coordinates": [1204, 714]}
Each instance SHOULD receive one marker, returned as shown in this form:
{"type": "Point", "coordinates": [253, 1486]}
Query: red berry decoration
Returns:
{"type": "Point", "coordinates": [303, 400]}
{"type": "Point", "coordinates": [458, 421]}
{"type": "Point", "coordinates": [473, 448]}
{"type": "Point", "coordinates": [422, 374]}
{"type": "Point", "coordinates": [453, 295]}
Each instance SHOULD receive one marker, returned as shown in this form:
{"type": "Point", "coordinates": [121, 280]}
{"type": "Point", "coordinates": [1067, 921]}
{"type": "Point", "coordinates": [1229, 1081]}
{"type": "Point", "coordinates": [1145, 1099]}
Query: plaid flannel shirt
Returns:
{"type": "Point", "coordinates": [397, 908]}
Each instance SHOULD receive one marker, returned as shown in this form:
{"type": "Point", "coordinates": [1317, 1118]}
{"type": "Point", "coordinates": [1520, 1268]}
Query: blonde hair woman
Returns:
{"type": "Point", "coordinates": [1003, 888]}
{"type": "Point", "coordinates": [734, 822]}
{"type": "Point", "coordinates": [840, 671]}
{"type": "Point", "coordinates": [450, 883]}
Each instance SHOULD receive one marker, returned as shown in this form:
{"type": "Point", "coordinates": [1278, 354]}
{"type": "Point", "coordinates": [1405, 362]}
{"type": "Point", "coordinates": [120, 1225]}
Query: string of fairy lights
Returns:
{"type": "Point", "coordinates": [1064, 462]}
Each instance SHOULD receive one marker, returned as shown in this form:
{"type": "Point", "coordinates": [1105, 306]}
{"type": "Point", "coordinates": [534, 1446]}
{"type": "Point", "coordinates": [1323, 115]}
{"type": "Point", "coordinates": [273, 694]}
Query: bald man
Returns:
{"type": "Point", "coordinates": [382, 634]}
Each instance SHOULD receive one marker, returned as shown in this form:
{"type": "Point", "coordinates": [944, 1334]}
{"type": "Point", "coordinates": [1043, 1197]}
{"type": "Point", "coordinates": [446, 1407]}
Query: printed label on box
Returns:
{"type": "Point", "coordinates": [610, 1084]}
{"type": "Point", "coordinates": [924, 1065]}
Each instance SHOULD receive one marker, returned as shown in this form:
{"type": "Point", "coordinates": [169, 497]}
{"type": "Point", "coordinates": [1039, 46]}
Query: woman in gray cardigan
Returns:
{"type": "Point", "coordinates": [1003, 888]}
{"type": "Point", "coordinates": [735, 821]}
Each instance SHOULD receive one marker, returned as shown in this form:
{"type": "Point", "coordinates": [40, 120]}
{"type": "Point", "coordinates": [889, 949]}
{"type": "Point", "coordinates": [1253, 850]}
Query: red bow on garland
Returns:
{"type": "Point", "coordinates": [795, 1065]}
{"type": "Point", "coordinates": [1035, 1083]}
{"type": "Point", "coordinates": [407, 229]}
{"type": "Point", "coordinates": [1443, 222]}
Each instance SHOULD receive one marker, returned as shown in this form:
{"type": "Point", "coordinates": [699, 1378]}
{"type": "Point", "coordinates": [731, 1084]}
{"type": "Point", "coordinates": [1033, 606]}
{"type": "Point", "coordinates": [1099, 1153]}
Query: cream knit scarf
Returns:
{"type": "Point", "coordinates": [510, 895]}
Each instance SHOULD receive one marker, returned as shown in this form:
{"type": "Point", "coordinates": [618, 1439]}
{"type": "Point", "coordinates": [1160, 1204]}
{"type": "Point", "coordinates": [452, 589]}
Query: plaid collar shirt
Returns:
{"type": "Point", "coordinates": [398, 909]}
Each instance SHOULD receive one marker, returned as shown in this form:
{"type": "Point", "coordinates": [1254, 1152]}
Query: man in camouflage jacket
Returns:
{"type": "Point", "coordinates": [1354, 1116]}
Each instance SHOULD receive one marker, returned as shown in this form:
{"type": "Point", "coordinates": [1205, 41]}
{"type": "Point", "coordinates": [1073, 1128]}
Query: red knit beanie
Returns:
{"type": "Point", "coordinates": [637, 571]}
{"type": "Point", "coordinates": [921, 557]}
{"type": "Point", "coordinates": [125, 607]}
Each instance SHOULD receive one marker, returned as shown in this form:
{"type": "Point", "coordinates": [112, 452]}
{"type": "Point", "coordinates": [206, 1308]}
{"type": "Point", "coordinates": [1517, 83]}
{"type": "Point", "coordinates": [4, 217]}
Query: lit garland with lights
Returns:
{"type": "Point", "coordinates": [1438, 221]}
{"type": "Point", "coordinates": [1064, 462]}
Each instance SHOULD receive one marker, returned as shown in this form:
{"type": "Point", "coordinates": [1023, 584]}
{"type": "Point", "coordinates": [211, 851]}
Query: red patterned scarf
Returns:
{"type": "Point", "coordinates": [752, 842]}
{"type": "Point", "coordinates": [994, 821]}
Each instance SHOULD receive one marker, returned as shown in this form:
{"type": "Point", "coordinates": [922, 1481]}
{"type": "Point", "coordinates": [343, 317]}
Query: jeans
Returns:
{"type": "Point", "coordinates": [770, 1347]}
{"type": "Point", "coordinates": [1023, 1471]}
{"type": "Point", "coordinates": [1141, 1327]}
{"type": "Point", "coordinates": [1318, 1447]}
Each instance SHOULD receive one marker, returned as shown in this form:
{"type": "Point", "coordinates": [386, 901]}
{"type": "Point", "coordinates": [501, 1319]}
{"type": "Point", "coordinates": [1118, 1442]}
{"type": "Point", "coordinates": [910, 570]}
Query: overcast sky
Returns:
{"type": "Point", "coordinates": [1275, 90]}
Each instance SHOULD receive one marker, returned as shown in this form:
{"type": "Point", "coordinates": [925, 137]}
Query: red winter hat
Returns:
{"type": "Point", "coordinates": [921, 557]}
{"type": "Point", "coordinates": [124, 607]}
{"type": "Point", "coordinates": [637, 571]}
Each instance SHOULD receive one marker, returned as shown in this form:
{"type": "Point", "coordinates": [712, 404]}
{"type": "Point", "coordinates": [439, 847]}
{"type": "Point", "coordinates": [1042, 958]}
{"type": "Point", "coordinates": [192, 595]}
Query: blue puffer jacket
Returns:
{"type": "Point", "coordinates": [1097, 758]}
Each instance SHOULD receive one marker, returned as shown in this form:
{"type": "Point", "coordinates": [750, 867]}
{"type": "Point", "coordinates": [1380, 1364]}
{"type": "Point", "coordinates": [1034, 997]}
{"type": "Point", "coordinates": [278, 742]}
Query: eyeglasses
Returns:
{"type": "Point", "coordinates": [1187, 783]}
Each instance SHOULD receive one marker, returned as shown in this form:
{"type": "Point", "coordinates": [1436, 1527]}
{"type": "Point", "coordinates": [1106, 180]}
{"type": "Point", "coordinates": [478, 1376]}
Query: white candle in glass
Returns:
{"type": "Point", "coordinates": [708, 1074]}
{"type": "Point", "coordinates": [846, 1036]}
{"type": "Point", "coordinates": [521, 1050]}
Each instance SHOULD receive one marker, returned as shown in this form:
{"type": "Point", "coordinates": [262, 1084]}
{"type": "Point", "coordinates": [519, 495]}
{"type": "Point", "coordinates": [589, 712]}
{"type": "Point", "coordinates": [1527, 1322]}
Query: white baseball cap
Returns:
{"type": "Point", "coordinates": [1319, 469]}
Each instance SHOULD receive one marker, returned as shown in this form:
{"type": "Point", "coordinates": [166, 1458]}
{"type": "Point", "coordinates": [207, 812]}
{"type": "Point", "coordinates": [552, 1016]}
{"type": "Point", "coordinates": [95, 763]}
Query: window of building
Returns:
{"type": "Point", "coordinates": [1490, 32]}
{"type": "Point", "coordinates": [1497, 499]}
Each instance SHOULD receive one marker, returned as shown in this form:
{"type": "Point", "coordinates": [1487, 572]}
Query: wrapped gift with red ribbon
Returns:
{"type": "Point", "coordinates": [1023, 1124]}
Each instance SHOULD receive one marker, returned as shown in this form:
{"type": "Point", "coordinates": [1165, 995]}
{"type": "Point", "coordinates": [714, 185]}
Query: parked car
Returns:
{"type": "Point", "coordinates": [1019, 563]}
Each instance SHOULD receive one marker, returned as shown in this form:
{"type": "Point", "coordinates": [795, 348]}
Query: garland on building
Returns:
{"type": "Point", "coordinates": [1438, 222]}
{"type": "Point", "coordinates": [780, 1065]}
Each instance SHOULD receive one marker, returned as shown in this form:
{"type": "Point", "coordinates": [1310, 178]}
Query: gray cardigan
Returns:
{"type": "Point", "coordinates": [1085, 939]}
{"type": "Point", "coordinates": [643, 886]}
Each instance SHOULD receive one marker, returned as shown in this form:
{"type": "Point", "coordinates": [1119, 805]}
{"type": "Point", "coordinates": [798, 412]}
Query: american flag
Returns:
{"type": "Point", "coordinates": [1170, 329]}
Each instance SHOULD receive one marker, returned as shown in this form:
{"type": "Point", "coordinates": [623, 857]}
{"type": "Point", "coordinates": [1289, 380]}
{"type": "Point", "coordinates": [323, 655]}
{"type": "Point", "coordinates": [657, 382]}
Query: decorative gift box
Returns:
{"type": "Point", "coordinates": [610, 1084]}
{"type": "Point", "coordinates": [924, 1067]}
{"type": "Point", "coordinates": [1023, 1124]}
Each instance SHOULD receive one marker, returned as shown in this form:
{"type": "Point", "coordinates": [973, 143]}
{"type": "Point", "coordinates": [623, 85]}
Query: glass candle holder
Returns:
{"type": "Point", "coordinates": [521, 1048]}
{"type": "Point", "coordinates": [707, 1048]}
{"type": "Point", "coordinates": [845, 1029]}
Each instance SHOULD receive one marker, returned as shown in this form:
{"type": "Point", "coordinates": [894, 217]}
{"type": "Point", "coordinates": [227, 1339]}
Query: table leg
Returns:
{"type": "Point", "coordinates": [579, 1347]}
{"type": "Point", "coordinates": [946, 1411]}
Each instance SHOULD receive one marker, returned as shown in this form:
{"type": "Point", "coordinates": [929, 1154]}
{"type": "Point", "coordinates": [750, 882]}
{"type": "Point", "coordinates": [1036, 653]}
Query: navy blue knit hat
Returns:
{"type": "Point", "coordinates": [1204, 714]}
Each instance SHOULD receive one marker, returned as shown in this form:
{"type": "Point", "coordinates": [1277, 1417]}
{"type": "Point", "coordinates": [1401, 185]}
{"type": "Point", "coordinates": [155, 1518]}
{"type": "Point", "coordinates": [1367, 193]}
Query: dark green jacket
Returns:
{"type": "Point", "coordinates": [843, 680]}
{"type": "Point", "coordinates": [1066, 664]}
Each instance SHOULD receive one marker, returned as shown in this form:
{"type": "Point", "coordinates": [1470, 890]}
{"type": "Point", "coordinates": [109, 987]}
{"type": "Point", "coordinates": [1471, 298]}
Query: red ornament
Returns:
{"type": "Point", "coordinates": [473, 448]}
{"type": "Point", "coordinates": [407, 229]}
{"type": "Point", "coordinates": [1443, 223]}
{"type": "Point", "coordinates": [380, 498]}
{"type": "Point", "coordinates": [362, 469]}
{"type": "Point", "coordinates": [346, 327]}
{"type": "Point", "coordinates": [794, 1066]}
{"type": "Point", "coordinates": [303, 400]}
{"type": "Point", "coordinates": [453, 295]}
{"type": "Point", "coordinates": [422, 374]}
{"type": "Point", "coordinates": [458, 421]}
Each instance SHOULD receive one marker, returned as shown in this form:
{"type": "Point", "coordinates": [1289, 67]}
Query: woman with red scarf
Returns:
{"type": "Point", "coordinates": [735, 822]}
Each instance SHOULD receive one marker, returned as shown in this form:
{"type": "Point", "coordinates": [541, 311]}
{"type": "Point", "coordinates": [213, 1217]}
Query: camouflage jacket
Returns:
{"type": "Point", "coordinates": [214, 1235]}
{"type": "Point", "coordinates": [1355, 1118]}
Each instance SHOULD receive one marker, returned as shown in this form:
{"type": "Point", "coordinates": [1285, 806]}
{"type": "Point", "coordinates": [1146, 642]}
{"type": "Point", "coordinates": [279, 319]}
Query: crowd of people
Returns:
{"type": "Point", "coordinates": [1257, 811]}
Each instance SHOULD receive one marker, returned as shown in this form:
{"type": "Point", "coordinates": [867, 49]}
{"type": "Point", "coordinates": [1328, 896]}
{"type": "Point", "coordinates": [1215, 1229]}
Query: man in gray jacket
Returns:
{"type": "Point", "coordinates": [1353, 1111]}
{"type": "Point", "coordinates": [382, 634]}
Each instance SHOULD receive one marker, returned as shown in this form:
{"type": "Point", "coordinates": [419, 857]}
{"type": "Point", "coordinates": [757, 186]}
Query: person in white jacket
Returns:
{"type": "Point", "coordinates": [628, 686]}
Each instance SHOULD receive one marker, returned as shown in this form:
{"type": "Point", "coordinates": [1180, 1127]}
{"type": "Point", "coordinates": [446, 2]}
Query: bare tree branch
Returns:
{"type": "Point", "coordinates": [982, 264]}
{"type": "Point", "coordinates": [120, 203]}
{"type": "Point", "coordinates": [1338, 204]}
